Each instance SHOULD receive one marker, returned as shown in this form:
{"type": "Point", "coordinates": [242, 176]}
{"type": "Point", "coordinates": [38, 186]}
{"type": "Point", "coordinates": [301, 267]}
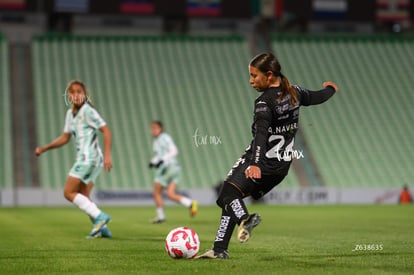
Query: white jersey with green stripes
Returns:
{"type": "Point", "coordinates": [164, 149]}
{"type": "Point", "coordinates": [84, 127]}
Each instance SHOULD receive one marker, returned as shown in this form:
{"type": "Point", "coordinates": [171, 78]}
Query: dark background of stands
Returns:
{"type": "Point", "coordinates": [173, 13]}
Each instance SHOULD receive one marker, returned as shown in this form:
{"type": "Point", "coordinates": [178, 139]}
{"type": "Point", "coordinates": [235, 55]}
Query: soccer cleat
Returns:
{"type": "Point", "coordinates": [211, 254]}
{"type": "Point", "coordinates": [100, 221]}
{"type": "Point", "coordinates": [193, 208]}
{"type": "Point", "coordinates": [246, 227]}
{"type": "Point", "coordinates": [157, 220]}
{"type": "Point", "coordinates": [98, 235]}
{"type": "Point", "coordinates": [105, 232]}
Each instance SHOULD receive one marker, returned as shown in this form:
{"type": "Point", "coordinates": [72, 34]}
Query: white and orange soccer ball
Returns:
{"type": "Point", "coordinates": [182, 242]}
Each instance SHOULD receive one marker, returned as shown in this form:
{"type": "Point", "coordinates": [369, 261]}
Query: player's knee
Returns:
{"type": "Point", "coordinates": [171, 195]}
{"type": "Point", "coordinates": [228, 193]}
{"type": "Point", "coordinates": [156, 193]}
{"type": "Point", "coordinates": [68, 195]}
{"type": "Point", "coordinates": [219, 202]}
{"type": "Point", "coordinates": [224, 200]}
{"type": "Point", "coordinates": [157, 189]}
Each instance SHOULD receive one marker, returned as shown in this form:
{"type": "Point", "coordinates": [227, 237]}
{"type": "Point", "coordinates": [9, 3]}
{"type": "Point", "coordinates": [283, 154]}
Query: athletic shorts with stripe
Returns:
{"type": "Point", "coordinates": [86, 172]}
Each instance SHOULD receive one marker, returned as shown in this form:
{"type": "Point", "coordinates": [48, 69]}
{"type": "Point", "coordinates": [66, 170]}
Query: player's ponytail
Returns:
{"type": "Point", "coordinates": [266, 62]}
{"type": "Point", "coordinates": [288, 89]}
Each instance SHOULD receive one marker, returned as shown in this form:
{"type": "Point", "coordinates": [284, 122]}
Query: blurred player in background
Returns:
{"type": "Point", "coordinates": [266, 161]}
{"type": "Point", "coordinates": [167, 172]}
{"type": "Point", "coordinates": [83, 122]}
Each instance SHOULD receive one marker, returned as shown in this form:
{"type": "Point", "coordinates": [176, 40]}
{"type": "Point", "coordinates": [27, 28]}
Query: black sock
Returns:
{"type": "Point", "coordinates": [224, 232]}
{"type": "Point", "coordinates": [230, 199]}
{"type": "Point", "coordinates": [237, 210]}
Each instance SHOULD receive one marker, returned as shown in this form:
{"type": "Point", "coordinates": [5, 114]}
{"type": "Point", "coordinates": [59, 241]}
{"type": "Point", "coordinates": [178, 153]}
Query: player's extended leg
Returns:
{"type": "Point", "coordinates": [157, 194]}
{"type": "Point", "coordinates": [187, 202]}
{"type": "Point", "coordinates": [231, 200]}
{"type": "Point", "coordinates": [223, 236]}
{"type": "Point", "coordinates": [72, 193]}
{"type": "Point", "coordinates": [86, 189]}
{"type": "Point", "coordinates": [234, 212]}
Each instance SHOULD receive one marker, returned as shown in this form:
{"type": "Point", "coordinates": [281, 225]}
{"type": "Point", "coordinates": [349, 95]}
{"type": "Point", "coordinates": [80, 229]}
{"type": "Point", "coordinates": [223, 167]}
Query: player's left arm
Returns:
{"type": "Point", "coordinates": [107, 139]}
{"type": "Point", "coordinates": [96, 121]}
{"type": "Point", "coordinates": [308, 97]}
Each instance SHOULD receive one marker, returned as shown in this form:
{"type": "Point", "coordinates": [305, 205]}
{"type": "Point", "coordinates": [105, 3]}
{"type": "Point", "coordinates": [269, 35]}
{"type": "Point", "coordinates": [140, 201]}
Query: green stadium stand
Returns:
{"type": "Point", "coordinates": [360, 138]}
{"type": "Point", "coordinates": [195, 85]}
{"type": "Point", "coordinates": [6, 142]}
{"type": "Point", "coordinates": [363, 136]}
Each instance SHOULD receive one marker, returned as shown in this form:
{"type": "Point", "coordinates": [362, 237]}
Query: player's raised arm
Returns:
{"type": "Point", "coordinates": [58, 142]}
{"type": "Point", "coordinates": [309, 97]}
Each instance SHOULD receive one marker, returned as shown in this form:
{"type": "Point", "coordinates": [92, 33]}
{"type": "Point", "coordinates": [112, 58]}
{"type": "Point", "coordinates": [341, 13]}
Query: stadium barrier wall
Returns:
{"type": "Point", "coordinates": [282, 196]}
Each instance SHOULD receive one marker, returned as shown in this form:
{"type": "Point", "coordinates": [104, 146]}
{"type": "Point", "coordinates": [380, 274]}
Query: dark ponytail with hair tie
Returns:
{"type": "Point", "coordinates": [288, 89]}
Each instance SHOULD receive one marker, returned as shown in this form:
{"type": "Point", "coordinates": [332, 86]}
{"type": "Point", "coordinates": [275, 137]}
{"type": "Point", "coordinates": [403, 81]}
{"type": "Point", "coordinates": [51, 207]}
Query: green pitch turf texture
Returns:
{"type": "Point", "coordinates": [290, 240]}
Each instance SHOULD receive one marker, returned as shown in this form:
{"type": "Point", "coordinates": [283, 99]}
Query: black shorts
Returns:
{"type": "Point", "coordinates": [256, 188]}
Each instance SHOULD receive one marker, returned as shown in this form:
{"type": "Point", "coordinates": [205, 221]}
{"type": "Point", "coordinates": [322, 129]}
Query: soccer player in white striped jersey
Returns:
{"type": "Point", "coordinates": [83, 122]}
{"type": "Point", "coordinates": [167, 172]}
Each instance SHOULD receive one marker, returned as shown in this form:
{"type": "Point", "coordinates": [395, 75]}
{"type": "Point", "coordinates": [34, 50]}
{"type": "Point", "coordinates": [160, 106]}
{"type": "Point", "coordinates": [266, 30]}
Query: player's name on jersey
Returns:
{"type": "Point", "coordinates": [283, 129]}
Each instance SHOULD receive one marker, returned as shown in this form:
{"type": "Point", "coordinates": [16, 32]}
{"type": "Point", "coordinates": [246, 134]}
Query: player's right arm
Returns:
{"type": "Point", "coordinates": [262, 121]}
{"type": "Point", "coordinates": [60, 141]}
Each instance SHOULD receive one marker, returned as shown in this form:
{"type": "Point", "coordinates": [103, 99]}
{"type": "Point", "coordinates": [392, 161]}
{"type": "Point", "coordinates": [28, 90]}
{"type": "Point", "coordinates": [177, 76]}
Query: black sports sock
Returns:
{"type": "Point", "coordinates": [224, 232]}
{"type": "Point", "coordinates": [237, 210]}
{"type": "Point", "coordinates": [230, 199]}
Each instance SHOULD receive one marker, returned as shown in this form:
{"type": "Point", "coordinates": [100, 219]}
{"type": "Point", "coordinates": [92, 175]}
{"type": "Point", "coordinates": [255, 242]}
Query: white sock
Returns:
{"type": "Point", "coordinates": [160, 213]}
{"type": "Point", "coordinates": [186, 202]}
{"type": "Point", "coordinates": [86, 205]}
{"type": "Point", "coordinates": [94, 205]}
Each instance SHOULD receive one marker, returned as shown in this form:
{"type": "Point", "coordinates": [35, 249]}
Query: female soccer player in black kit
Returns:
{"type": "Point", "coordinates": [266, 161]}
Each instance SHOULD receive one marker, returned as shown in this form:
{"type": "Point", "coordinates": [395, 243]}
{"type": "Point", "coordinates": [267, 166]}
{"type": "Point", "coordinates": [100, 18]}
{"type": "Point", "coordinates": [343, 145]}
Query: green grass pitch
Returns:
{"type": "Point", "coordinates": [290, 240]}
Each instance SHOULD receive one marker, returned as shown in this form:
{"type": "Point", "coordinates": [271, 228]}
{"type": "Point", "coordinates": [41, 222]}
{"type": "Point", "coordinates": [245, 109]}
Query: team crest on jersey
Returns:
{"type": "Point", "coordinates": [280, 109]}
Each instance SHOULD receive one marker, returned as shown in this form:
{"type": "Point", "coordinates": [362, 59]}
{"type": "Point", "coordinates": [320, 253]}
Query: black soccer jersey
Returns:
{"type": "Point", "coordinates": [275, 123]}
